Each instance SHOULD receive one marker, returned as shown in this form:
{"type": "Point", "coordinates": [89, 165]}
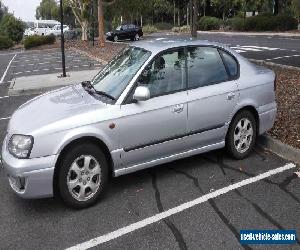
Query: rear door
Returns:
{"type": "Point", "coordinates": [212, 94]}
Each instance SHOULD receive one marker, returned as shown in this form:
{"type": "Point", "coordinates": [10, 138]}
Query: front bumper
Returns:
{"type": "Point", "coordinates": [29, 178]}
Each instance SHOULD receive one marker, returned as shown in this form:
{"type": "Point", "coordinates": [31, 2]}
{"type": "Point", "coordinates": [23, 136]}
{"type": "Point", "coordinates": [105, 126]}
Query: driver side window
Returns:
{"type": "Point", "coordinates": [166, 74]}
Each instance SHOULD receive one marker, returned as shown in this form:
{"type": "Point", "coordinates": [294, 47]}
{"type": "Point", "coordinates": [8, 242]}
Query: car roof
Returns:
{"type": "Point", "coordinates": [160, 44]}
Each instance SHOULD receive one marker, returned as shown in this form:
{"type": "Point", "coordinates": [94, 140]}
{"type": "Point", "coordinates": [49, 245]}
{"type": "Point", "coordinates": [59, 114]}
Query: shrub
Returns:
{"type": "Point", "coordinates": [185, 29]}
{"type": "Point", "coordinates": [176, 29]}
{"type": "Point", "coordinates": [149, 29]}
{"type": "Point", "coordinates": [263, 23]}
{"type": "Point", "coordinates": [209, 23]}
{"type": "Point", "coordinates": [12, 27]}
{"type": "Point", "coordinates": [35, 41]}
{"type": "Point", "coordinates": [237, 23]}
{"type": "Point", "coordinates": [182, 29]}
{"type": "Point", "coordinates": [260, 23]}
{"type": "Point", "coordinates": [5, 42]}
{"type": "Point", "coordinates": [286, 23]}
{"type": "Point", "coordinates": [163, 26]}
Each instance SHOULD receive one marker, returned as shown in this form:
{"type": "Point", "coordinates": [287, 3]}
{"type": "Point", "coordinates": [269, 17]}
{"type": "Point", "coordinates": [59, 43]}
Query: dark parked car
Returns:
{"type": "Point", "coordinates": [125, 31]}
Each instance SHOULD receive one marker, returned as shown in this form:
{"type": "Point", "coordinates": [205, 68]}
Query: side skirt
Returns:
{"type": "Point", "coordinates": [169, 158]}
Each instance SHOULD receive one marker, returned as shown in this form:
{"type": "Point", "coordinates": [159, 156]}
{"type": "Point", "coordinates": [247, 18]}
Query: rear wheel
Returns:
{"type": "Point", "coordinates": [137, 37]}
{"type": "Point", "coordinates": [83, 175]}
{"type": "Point", "coordinates": [241, 136]}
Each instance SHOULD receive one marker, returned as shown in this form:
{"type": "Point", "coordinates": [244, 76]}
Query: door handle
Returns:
{"type": "Point", "coordinates": [230, 96]}
{"type": "Point", "coordinates": [178, 108]}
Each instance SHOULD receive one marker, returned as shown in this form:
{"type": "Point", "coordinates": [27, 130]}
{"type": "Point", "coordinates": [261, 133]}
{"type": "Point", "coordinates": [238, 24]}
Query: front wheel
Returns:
{"type": "Point", "coordinates": [241, 136]}
{"type": "Point", "coordinates": [116, 39]}
{"type": "Point", "coordinates": [83, 175]}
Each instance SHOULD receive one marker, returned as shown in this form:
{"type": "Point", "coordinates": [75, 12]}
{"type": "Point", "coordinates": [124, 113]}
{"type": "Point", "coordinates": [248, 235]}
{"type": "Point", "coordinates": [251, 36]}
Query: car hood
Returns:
{"type": "Point", "coordinates": [55, 109]}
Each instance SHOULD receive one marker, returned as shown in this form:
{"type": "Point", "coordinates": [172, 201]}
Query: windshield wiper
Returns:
{"type": "Point", "coordinates": [88, 86]}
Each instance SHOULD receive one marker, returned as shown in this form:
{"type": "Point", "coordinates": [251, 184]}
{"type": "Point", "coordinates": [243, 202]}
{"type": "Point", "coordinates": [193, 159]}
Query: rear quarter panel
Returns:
{"type": "Point", "coordinates": [256, 86]}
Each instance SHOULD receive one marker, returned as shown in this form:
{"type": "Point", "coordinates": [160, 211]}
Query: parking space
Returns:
{"type": "Point", "coordinates": [47, 62]}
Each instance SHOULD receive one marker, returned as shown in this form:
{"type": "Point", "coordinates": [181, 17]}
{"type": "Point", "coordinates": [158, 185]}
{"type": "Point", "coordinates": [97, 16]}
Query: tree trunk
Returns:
{"type": "Point", "coordinates": [84, 29]}
{"type": "Point", "coordinates": [276, 7]}
{"type": "Point", "coordinates": [101, 24]}
{"type": "Point", "coordinates": [187, 15]}
{"type": "Point", "coordinates": [204, 7]}
{"type": "Point", "coordinates": [178, 17]}
{"type": "Point", "coordinates": [174, 13]}
{"type": "Point", "coordinates": [194, 12]}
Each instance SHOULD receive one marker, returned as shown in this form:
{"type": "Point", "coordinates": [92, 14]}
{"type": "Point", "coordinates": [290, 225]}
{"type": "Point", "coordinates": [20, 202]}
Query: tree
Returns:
{"type": "Point", "coordinates": [101, 5]}
{"type": "Point", "coordinates": [12, 27]}
{"type": "Point", "coordinates": [194, 17]}
{"type": "Point", "coordinates": [296, 8]}
{"type": "Point", "coordinates": [276, 7]}
{"type": "Point", "coordinates": [47, 10]}
{"type": "Point", "coordinates": [80, 9]}
{"type": "Point", "coordinates": [3, 10]}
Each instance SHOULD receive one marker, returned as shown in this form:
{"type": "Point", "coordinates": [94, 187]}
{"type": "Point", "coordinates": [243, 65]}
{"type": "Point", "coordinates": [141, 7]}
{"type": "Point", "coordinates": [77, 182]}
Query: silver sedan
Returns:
{"type": "Point", "coordinates": [155, 102]}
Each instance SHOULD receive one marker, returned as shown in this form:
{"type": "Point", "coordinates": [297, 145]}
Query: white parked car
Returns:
{"type": "Point", "coordinates": [42, 27]}
{"type": "Point", "coordinates": [29, 32]}
{"type": "Point", "coordinates": [56, 30]}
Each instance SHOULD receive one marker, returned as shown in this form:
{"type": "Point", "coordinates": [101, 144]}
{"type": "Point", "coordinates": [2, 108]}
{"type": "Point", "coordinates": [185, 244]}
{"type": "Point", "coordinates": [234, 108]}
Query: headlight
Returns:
{"type": "Point", "coordinates": [20, 146]}
{"type": "Point", "coordinates": [108, 33]}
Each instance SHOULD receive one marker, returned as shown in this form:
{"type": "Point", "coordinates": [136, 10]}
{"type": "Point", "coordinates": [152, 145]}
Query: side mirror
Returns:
{"type": "Point", "coordinates": [141, 93]}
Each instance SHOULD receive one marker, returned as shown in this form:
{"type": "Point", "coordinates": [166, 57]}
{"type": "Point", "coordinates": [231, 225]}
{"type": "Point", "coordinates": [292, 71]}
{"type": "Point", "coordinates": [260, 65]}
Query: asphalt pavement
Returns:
{"type": "Point", "coordinates": [270, 203]}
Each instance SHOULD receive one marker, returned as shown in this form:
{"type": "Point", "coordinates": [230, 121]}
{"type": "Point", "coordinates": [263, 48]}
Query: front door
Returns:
{"type": "Point", "coordinates": [154, 128]}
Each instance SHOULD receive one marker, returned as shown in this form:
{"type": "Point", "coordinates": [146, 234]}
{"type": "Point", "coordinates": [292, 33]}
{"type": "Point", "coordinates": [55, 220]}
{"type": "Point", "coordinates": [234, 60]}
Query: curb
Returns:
{"type": "Point", "coordinates": [236, 33]}
{"type": "Point", "coordinates": [263, 62]}
{"type": "Point", "coordinates": [287, 152]}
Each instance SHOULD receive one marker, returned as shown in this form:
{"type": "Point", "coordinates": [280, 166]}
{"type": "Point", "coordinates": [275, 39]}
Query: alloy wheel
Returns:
{"type": "Point", "coordinates": [83, 178]}
{"type": "Point", "coordinates": [243, 135]}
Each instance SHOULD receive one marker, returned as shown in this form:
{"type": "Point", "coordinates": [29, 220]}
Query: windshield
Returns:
{"type": "Point", "coordinates": [116, 75]}
{"type": "Point", "coordinates": [119, 28]}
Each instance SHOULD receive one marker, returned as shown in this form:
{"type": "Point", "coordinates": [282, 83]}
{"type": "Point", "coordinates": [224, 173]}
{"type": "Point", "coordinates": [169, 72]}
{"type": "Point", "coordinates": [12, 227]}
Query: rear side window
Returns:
{"type": "Point", "coordinates": [205, 67]}
{"type": "Point", "coordinates": [230, 63]}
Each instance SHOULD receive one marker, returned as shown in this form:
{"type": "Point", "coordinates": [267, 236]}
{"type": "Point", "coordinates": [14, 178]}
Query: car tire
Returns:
{"type": "Point", "coordinates": [116, 38]}
{"type": "Point", "coordinates": [137, 37]}
{"type": "Point", "coordinates": [83, 175]}
{"type": "Point", "coordinates": [241, 135]}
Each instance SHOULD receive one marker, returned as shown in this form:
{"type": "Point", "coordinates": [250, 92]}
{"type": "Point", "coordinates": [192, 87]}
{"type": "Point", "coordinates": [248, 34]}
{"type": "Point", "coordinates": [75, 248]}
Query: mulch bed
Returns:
{"type": "Point", "coordinates": [287, 125]}
{"type": "Point", "coordinates": [106, 53]}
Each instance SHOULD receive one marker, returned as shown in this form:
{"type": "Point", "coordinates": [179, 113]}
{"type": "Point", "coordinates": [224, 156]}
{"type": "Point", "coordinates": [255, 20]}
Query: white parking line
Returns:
{"type": "Point", "coordinates": [280, 57]}
{"type": "Point", "coordinates": [247, 49]}
{"type": "Point", "coordinates": [239, 51]}
{"type": "Point", "coordinates": [258, 47]}
{"type": "Point", "coordinates": [3, 97]}
{"type": "Point", "coordinates": [5, 118]}
{"type": "Point", "coordinates": [160, 216]}
{"type": "Point", "coordinates": [7, 68]}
